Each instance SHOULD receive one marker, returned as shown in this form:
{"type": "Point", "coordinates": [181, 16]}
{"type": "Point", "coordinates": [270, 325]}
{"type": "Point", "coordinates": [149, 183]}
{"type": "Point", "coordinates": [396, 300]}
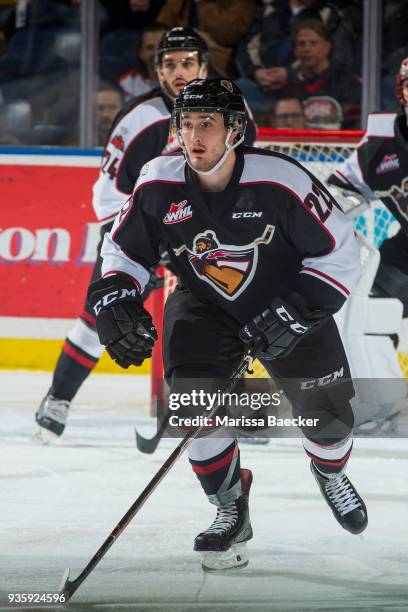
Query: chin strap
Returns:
{"type": "Point", "coordinates": [218, 164]}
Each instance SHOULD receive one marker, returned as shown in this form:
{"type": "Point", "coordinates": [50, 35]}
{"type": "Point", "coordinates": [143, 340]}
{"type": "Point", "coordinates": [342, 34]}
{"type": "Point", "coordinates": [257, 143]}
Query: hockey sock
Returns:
{"type": "Point", "coordinates": [219, 474]}
{"type": "Point", "coordinates": [329, 458]}
{"type": "Point", "coordinates": [73, 366]}
{"type": "Point", "coordinates": [80, 354]}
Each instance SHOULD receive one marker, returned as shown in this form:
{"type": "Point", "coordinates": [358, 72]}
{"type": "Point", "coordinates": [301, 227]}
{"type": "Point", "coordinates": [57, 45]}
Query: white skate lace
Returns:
{"type": "Point", "coordinates": [341, 494]}
{"type": "Point", "coordinates": [56, 409]}
{"type": "Point", "coordinates": [226, 518]}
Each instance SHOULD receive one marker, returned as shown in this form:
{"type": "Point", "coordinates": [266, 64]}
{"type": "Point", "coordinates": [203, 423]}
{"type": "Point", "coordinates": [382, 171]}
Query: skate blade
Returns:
{"type": "Point", "coordinates": [233, 558]}
{"type": "Point", "coordinates": [45, 436]}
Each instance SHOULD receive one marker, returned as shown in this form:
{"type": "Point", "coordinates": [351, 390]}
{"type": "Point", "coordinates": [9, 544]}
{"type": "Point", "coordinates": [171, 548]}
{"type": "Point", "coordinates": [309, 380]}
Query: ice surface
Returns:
{"type": "Point", "coordinates": [59, 503]}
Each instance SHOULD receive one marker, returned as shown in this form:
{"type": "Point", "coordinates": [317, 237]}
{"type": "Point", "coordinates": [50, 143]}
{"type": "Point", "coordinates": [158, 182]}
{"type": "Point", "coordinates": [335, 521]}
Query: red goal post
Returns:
{"type": "Point", "coordinates": [342, 137]}
{"type": "Point", "coordinates": [321, 151]}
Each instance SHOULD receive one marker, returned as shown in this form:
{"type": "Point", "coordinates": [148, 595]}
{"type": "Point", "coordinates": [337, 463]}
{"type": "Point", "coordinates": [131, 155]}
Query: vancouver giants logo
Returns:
{"type": "Point", "coordinates": [229, 269]}
{"type": "Point", "coordinates": [389, 163]}
{"type": "Point", "coordinates": [399, 197]}
{"type": "Point", "coordinates": [178, 212]}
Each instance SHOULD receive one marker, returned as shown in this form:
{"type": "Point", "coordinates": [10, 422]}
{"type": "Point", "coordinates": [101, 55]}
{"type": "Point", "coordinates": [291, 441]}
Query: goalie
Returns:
{"type": "Point", "coordinates": [378, 169]}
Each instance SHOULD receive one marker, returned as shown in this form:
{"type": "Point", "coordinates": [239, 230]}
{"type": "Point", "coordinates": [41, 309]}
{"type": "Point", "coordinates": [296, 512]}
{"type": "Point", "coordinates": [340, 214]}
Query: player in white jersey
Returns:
{"type": "Point", "coordinates": [139, 133]}
{"type": "Point", "coordinates": [265, 257]}
{"type": "Point", "coordinates": [378, 169]}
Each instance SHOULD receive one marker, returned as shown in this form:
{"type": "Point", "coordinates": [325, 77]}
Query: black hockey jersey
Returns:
{"type": "Point", "coordinates": [378, 168]}
{"type": "Point", "coordinates": [140, 132]}
{"type": "Point", "coordinates": [274, 229]}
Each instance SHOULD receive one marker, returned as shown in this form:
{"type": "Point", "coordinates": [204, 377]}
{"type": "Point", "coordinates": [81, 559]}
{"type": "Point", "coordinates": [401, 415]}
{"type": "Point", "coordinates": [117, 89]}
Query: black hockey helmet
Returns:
{"type": "Point", "coordinates": [212, 96]}
{"type": "Point", "coordinates": [400, 77]}
{"type": "Point", "coordinates": [181, 39]}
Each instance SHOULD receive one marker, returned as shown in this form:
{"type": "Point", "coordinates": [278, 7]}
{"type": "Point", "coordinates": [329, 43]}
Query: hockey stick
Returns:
{"type": "Point", "coordinates": [67, 586]}
{"type": "Point", "coordinates": [149, 445]}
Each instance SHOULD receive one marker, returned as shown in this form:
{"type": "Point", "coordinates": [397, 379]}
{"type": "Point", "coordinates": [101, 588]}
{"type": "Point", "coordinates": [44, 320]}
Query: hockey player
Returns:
{"type": "Point", "coordinates": [264, 256]}
{"type": "Point", "coordinates": [139, 133]}
{"type": "Point", "coordinates": [379, 169]}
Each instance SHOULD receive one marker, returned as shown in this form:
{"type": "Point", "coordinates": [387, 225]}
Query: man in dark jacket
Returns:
{"type": "Point", "coordinates": [266, 52]}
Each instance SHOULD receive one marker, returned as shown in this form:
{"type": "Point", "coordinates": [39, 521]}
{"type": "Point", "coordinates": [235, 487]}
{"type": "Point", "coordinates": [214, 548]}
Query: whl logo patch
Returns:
{"type": "Point", "coordinates": [178, 212]}
{"type": "Point", "coordinates": [390, 162]}
{"type": "Point", "coordinates": [118, 142]}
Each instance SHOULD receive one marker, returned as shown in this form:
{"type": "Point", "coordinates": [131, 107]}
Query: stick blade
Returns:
{"type": "Point", "coordinates": [146, 445]}
{"type": "Point", "coordinates": [63, 586]}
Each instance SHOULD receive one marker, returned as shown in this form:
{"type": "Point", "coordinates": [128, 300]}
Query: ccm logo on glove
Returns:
{"type": "Point", "coordinates": [124, 327]}
{"type": "Point", "coordinates": [296, 327]}
{"type": "Point", "coordinates": [113, 296]}
{"type": "Point", "coordinates": [275, 332]}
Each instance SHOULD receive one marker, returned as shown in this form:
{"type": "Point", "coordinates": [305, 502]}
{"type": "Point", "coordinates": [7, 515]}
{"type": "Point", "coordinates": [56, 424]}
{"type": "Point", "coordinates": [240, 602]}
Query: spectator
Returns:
{"type": "Point", "coordinates": [394, 32]}
{"type": "Point", "coordinates": [330, 93]}
{"type": "Point", "coordinates": [289, 114]}
{"type": "Point", "coordinates": [142, 78]}
{"type": "Point", "coordinates": [61, 121]}
{"type": "Point", "coordinates": [222, 24]}
{"type": "Point", "coordinates": [58, 14]}
{"type": "Point", "coordinates": [266, 52]}
{"type": "Point", "coordinates": [135, 14]}
{"type": "Point", "coordinates": [109, 101]}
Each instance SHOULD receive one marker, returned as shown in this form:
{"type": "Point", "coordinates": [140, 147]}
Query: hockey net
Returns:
{"type": "Point", "coordinates": [321, 152]}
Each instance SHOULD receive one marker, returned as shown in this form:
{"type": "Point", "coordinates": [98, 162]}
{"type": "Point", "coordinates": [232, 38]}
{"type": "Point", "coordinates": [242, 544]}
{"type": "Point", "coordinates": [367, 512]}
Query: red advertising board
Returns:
{"type": "Point", "coordinates": [48, 236]}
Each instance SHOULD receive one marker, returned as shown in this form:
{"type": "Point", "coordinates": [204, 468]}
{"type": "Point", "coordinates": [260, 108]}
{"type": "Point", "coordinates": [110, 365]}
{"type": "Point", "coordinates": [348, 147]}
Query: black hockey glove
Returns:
{"type": "Point", "coordinates": [281, 326]}
{"type": "Point", "coordinates": [123, 325]}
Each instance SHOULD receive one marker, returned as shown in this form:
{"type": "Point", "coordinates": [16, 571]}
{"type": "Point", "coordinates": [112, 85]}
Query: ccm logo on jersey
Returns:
{"type": "Point", "coordinates": [247, 215]}
{"type": "Point", "coordinates": [323, 381]}
{"type": "Point", "coordinates": [296, 327]}
{"type": "Point", "coordinates": [113, 296]}
{"type": "Point", "coordinates": [178, 212]}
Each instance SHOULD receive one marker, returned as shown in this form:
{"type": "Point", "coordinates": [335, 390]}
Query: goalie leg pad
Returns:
{"type": "Point", "coordinates": [392, 282]}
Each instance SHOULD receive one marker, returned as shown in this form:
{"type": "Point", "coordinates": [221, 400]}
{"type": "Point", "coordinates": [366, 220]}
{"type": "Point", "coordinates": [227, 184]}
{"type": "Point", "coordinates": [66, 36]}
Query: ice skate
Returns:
{"type": "Point", "coordinates": [51, 418]}
{"type": "Point", "coordinates": [223, 544]}
{"type": "Point", "coordinates": [344, 501]}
